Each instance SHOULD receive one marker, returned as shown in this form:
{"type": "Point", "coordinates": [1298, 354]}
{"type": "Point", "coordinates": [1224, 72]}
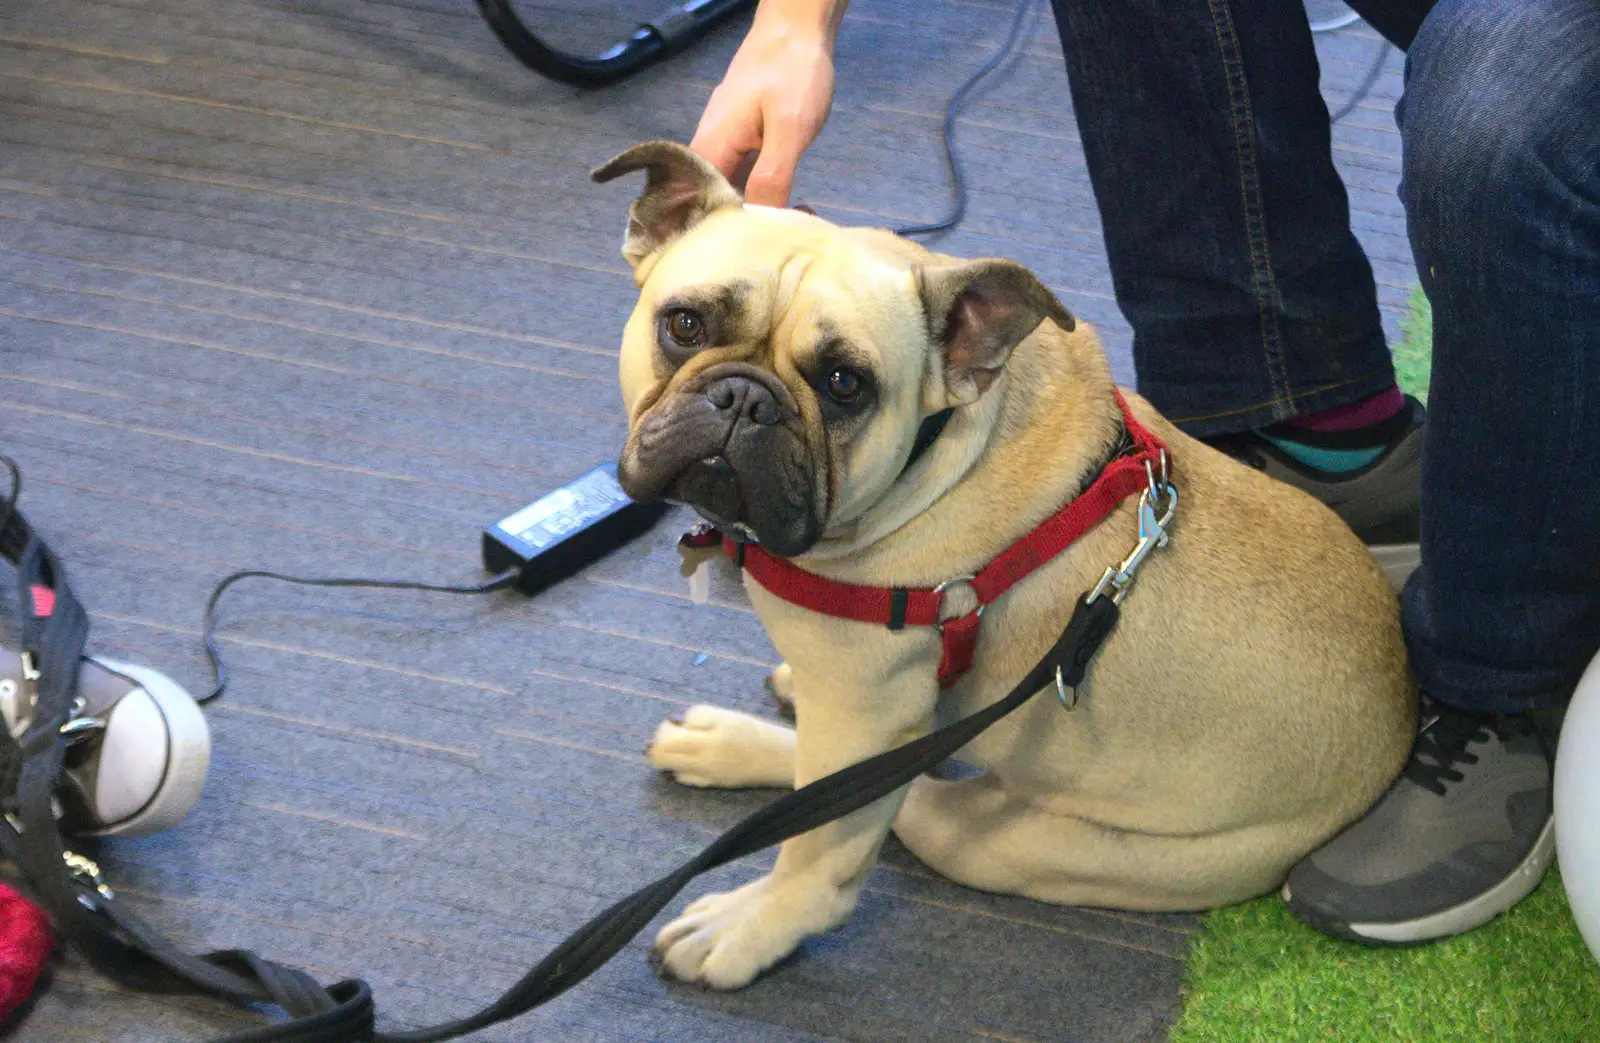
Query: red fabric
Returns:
{"type": "Point", "coordinates": [1372, 410]}
{"type": "Point", "coordinates": [44, 601]}
{"type": "Point", "coordinates": [845, 600]}
{"type": "Point", "coordinates": [1122, 478]}
{"type": "Point", "coordinates": [959, 638]}
{"type": "Point", "coordinates": [25, 944]}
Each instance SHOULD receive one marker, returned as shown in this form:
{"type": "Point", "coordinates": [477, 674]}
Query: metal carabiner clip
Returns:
{"type": "Point", "coordinates": [1152, 534]}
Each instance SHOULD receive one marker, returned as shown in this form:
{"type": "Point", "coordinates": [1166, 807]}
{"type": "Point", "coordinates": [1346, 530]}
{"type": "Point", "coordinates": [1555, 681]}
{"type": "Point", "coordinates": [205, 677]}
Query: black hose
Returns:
{"type": "Point", "coordinates": [678, 26]}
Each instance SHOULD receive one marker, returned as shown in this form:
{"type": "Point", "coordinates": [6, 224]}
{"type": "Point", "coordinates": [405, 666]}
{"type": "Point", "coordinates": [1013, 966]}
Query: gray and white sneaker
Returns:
{"type": "Point", "coordinates": [1464, 834]}
{"type": "Point", "coordinates": [139, 749]}
{"type": "Point", "coordinates": [1381, 502]}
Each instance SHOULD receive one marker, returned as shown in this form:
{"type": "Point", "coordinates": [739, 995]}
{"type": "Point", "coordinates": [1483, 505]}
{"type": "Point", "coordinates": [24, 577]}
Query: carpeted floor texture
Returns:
{"type": "Point", "coordinates": [321, 286]}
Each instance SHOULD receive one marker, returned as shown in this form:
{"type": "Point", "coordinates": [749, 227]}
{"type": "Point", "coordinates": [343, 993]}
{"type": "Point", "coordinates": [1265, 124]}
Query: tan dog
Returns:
{"type": "Point", "coordinates": [1253, 699]}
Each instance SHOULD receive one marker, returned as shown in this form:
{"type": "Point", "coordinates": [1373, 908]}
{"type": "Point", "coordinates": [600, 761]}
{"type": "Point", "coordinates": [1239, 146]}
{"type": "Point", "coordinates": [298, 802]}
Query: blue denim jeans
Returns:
{"type": "Point", "coordinates": [1228, 233]}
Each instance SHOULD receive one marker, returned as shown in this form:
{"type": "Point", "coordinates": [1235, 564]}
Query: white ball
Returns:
{"type": "Point", "coordinates": [1577, 806]}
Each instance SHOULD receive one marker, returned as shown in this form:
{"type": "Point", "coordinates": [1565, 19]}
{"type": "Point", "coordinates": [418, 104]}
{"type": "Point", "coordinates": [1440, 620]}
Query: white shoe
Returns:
{"type": "Point", "coordinates": [1577, 793]}
{"type": "Point", "coordinates": [140, 747]}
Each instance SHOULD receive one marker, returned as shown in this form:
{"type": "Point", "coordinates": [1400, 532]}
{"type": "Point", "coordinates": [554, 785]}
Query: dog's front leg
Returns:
{"type": "Point", "coordinates": [725, 940]}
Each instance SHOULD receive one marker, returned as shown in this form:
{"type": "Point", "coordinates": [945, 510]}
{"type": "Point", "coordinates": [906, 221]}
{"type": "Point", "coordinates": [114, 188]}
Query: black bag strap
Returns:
{"type": "Point", "coordinates": [130, 951]}
{"type": "Point", "coordinates": [54, 631]}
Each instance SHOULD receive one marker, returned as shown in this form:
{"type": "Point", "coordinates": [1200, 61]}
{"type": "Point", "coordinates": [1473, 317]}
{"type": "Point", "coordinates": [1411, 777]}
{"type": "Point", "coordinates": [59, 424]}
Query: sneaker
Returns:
{"type": "Point", "coordinates": [140, 747]}
{"type": "Point", "coordinates": [1380, 502]}
{"type": "Point", "coordinates": [1464, 834]}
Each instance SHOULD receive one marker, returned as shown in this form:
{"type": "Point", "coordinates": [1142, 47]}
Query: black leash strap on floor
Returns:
{"type": "Point", "coordinates": [805, 809]}
{"type": "Point", "coordinates": [133, 953]}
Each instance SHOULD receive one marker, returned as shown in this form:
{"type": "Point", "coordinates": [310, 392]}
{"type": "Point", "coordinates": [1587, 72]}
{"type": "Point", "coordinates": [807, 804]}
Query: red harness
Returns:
{"type": "Point", "coordinates": [898, 607]}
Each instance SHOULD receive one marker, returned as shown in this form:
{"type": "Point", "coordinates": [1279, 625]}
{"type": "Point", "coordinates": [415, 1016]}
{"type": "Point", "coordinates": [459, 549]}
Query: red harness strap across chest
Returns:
{"type": "Point", "coordinates": [899, 607]}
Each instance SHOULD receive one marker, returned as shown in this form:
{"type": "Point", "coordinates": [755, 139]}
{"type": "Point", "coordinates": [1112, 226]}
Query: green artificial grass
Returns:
{"type": "Point", "coordinates": [1413, 356]}
{"type": "Point", "coordinates": [1256, 975]}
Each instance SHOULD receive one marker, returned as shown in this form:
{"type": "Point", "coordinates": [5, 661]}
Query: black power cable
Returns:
{"type": "Point", "coordinates": [1339, 24]}
{"type": "Point", "coordinates": [1360, 95]}
{"type": "Point", "coordinates": [958, 181]}
{"type": "Point", "coordinates": [220, 675]}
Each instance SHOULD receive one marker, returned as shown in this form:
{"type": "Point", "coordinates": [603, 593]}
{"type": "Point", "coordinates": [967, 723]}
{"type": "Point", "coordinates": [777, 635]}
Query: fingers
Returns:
{"type": "Point", "coordinates": [741, 174]}
{"type": "Point", "coordinates": [773, 101]}
{"type": "Point", "coordinates": [724, 147]}
{"type": "Point", "coordinates": [731, 149]}
{"type": "Point", "coordinates": [772, 178]}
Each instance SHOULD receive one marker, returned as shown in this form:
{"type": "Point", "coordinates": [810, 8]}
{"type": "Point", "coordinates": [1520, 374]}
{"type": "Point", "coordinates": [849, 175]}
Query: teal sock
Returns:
{"type": "Point", "coordinates": [1345, 438]}
{"type": "Point", "coordinates": [1332, 461]}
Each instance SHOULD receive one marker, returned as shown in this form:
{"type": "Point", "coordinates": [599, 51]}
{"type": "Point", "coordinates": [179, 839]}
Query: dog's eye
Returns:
{"type": "Point", "coordinates": [843, 385]}
{"type": "Point", "coordinates": [685, 327]}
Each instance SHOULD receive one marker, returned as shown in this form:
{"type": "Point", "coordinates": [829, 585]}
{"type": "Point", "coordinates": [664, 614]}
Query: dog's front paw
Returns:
{"type": "Point", "coordinates": [780, 685]}
{"type": "Point", "coordinates": [725, 940]}
{"type": "Point", "coordinates": [711, 746]}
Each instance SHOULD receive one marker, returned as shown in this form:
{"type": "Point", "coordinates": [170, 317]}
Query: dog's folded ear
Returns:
{"type": "Point", "coordinates": [978, 311]}
{"type": "Point", "coordinates": [680, 189]}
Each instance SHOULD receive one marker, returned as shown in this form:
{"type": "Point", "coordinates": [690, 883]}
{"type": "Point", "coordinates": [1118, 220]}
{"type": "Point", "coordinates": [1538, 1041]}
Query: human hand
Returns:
{"type": "Point", "coordinates": [773, 100]}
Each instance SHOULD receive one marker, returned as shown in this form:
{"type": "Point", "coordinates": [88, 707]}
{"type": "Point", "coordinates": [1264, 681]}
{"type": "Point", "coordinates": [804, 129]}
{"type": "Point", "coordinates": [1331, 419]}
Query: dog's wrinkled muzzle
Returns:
{"type": "Point", "coordinates": [711, 486]}
{"type": "Point", "coordinates": [730, 445]}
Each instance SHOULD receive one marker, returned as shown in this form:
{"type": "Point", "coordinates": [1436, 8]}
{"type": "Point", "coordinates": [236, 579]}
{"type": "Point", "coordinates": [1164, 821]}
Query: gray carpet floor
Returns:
{"type": "Point", "coordinates": [321, 286]}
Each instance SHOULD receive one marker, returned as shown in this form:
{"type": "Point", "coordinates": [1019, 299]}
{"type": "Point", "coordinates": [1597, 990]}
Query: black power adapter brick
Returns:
{"type": "Point", "coordinates": [562, 532]}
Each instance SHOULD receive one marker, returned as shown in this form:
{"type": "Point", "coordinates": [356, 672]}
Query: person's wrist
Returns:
{"type": "Point", "coordinates": [794, 21]}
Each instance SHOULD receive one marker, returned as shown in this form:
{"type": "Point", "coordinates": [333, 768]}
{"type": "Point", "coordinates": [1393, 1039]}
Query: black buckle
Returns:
{"type": "Point", "coordinates": [899, 600]}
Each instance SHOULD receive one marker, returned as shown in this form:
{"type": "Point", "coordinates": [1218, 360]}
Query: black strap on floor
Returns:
{"type": "Point", "coordinates": [131, 952]}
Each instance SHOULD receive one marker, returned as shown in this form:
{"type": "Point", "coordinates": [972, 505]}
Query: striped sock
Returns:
{"type": "Point", "coordinates": [1346, 438]}
{"type": "Point", "coordinates": [1372, 410]}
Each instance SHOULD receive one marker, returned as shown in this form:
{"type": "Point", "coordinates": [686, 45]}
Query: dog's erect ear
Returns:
{"type": "Point", "coordinates": [977, 312]}
{"type": "Point", "coordinates": [680, 188]}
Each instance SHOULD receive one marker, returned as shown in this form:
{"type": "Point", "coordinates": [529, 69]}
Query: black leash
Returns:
{"type": "Point", "coordinates": [131, 952]}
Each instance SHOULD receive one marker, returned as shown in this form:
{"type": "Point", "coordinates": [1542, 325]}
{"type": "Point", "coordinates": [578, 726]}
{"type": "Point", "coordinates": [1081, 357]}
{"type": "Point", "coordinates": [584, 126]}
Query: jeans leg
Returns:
{"type": "Point", "coordinates": [1501, 132]}
{"type": "Point", "coordinates": [1227, 228]}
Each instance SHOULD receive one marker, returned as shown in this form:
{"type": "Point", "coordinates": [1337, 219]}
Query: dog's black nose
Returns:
{"type": "Point", "coordinates": [740, 396]}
